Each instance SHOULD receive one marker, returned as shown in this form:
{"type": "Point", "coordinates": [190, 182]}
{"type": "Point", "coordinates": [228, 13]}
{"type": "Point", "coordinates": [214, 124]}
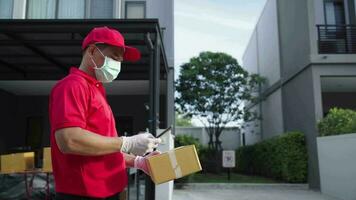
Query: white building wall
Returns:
{"type": "Point", "coordinates": [250, 57]}
{"type": "Point", "coordinates": [262, 56]}
{"type": "Point", "coordinates": [163, 10]}
{"type": "Point", "coordinates": [272, 115]}
{"type": "Point", "coordinates": [268, 44]}
{"type": "Point", "coordinates": [262, 52]}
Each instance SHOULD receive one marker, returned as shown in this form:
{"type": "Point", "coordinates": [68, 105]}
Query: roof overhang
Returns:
{"type": "Point", "coordinates": [46, 49]}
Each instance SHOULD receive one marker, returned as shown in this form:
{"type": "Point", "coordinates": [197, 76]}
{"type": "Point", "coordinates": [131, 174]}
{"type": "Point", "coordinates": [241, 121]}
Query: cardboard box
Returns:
{"type": "Point", "coordinates": [47, 160]}
{"type": "Point", "coordinates": [174, 164]}
{"type": "Point", "coordinates": [17, 162]}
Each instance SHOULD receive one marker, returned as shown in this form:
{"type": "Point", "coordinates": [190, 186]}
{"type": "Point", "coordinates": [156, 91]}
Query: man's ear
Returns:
{"type": "Point", "coordinates": [91, 49]}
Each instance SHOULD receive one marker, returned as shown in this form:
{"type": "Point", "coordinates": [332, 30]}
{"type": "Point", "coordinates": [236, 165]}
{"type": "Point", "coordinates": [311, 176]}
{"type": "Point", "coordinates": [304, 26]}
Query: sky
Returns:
{"type": "Point", "coordinates": [213, 25]}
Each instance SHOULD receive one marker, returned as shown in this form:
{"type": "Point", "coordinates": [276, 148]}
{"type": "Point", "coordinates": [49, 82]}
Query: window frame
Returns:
{"type": "Point", "coordinates": [325, 13]}
{"type": "Point", "coordinates": [139, 3]}
{"type": "Point", "coordinates": [85, 10]}
{"type": "Point", "coordinates": [87, 14]}
{"type": "Point", "coordinates": [55, 10]}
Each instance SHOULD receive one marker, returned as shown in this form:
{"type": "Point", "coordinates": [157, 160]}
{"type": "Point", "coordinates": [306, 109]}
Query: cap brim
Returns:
{"type": "Point", "coordinates": [131, 54]}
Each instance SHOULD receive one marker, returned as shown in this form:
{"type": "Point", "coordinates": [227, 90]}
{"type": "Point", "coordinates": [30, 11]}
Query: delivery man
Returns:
{"type": "Point", "coordinates": [89, 158]}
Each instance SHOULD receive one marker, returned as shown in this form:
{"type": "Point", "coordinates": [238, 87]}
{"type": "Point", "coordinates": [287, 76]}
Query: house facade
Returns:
{"type": "Point", "coordinates": [306, 51]}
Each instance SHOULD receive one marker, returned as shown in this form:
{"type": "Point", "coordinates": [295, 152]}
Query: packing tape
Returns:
{"type": "Point", "coordinates": [176, 167]}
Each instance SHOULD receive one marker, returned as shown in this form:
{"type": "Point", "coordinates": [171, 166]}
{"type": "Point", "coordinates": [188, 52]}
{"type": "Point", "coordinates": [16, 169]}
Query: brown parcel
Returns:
{"type": "Point", "coordinates": [18, 162]}
{"type": "Point", "coordinates": [174, 164]}
{"type": "Point", "coordinates": [47, 161]}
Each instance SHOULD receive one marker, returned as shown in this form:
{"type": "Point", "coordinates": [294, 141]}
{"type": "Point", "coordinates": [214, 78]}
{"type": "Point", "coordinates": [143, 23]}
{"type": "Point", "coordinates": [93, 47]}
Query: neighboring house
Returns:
{"type": "Point", "coordinates": [41, 39]}
{"type": "Point", "coordinates": [306, 50]}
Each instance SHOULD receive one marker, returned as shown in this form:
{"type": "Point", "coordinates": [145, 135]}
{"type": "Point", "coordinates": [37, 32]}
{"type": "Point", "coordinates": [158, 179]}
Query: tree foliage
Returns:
{"type": "Point", "coordinates": [214, 88]}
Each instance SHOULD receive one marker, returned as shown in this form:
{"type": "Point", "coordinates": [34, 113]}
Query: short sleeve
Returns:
{"type": "Point", "coordinates": [69, 105]}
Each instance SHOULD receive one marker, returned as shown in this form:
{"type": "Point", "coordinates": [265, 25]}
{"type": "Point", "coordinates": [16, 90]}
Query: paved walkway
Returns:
{"type": "Point", "coordinates": [247, 192]}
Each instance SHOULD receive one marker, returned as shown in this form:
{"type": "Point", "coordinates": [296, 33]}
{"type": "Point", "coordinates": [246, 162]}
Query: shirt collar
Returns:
{"type": "Point", "coordinates": [90, 79]}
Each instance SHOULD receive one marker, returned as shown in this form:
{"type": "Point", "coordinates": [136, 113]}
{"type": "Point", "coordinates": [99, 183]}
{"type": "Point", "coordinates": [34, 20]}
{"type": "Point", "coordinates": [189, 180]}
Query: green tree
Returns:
{"type": "Point", "coordinates": [183, 121]}
{"type": "Point", "coordinates": [214, 88]}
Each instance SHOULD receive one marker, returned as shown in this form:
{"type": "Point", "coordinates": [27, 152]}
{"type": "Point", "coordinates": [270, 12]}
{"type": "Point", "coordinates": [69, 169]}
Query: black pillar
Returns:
{"type": "Point", "coordinates": [154, 89]}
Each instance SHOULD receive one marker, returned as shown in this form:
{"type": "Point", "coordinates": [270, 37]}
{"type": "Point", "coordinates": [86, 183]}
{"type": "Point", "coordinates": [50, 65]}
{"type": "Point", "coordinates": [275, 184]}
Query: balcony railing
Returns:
{"type": "Point", "coordinates": [337, 39]}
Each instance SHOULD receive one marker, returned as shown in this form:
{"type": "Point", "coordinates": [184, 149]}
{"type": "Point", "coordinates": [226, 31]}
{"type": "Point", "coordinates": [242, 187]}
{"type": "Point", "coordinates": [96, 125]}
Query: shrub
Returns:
{"type": "Point", "coordinates": [338, 121]}
{"type": "Point", "coordinates": [283, 157]}
{"type": "Point", "coordinates": [183, 140]}
{"type": "Point", "coordinates": [210, 159]}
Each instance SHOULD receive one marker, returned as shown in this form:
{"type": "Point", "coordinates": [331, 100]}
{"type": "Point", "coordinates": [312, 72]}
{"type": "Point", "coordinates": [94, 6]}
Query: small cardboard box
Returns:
{"type": "Point", "coordinates": [17, 162]}
{"type": "Point", "coordinates": [174, 164]}
{"type": "Point", "coordinates": [47, 161]}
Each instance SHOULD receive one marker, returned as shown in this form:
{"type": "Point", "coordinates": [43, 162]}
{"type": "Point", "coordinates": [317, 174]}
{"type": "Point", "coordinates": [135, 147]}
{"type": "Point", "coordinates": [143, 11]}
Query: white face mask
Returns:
{"type": "Point", "coordinates": [108, 71]}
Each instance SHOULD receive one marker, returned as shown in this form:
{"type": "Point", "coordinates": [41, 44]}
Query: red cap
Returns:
{"type": "Point", "coordinates": [111, 37]}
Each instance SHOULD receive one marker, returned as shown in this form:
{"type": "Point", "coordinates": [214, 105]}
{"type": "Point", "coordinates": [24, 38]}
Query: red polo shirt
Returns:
{"type": "Point", "coordinates": [79, 100]}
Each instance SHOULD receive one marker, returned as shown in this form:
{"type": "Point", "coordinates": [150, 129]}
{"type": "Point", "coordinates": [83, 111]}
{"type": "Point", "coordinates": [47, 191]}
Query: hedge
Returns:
{"type": "Point", "coordinates": [282, 157]}
{"type": "Point", "coordinates": [338, 121]}
{"type": "Point", "coordinates": [183, 140]}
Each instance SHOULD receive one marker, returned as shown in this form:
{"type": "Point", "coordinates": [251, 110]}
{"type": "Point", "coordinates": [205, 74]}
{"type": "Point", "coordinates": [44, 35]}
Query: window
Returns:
{"type": "Point", "coordinates": [101, 9]}
{"type": "Point", "coordinates": [69, 9]}
{"type": "Point", "coordinates": [334, 12]}
{"type": "Point", "coordinates": [6, 7]}
{"type": "Point", "coordinates": [135, 9]}
{"type": "Point", "coordinates": [41, 9]}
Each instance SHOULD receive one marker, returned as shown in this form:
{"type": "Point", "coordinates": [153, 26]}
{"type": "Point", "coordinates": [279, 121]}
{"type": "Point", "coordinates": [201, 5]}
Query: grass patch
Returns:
{"type": "Point", "coordinates": [234, 178]}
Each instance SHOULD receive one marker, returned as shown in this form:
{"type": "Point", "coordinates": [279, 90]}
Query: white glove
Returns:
{"type": "Point", "coordinates": [141, 162]}
{"type": "Point", "coordinates": [139, 144]}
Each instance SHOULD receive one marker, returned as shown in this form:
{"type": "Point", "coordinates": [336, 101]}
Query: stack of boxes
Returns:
{"type": "Point", "coordinates": [17, 162]}
{"type": "Point", "coordinates": [22, 162]}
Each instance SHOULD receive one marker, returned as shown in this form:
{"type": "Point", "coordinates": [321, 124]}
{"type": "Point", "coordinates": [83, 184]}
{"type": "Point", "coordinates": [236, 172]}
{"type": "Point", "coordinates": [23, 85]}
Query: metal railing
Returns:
{"type": "Point", "coordinates": [337, 39]}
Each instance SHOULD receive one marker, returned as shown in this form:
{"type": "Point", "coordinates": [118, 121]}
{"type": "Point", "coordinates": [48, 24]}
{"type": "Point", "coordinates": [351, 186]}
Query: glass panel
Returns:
{"type": "Point", "coordinates": [330, 15]}
{"type": "Point", "coordinates": [339, 10]}
{"type": "Point", "coordinates": [135, 10]}
{"type": "Point", "coordinates": [101, 9]}
{"type": "Point", "coordinates": [41, 9]}
{"type": "Point", "coordinates": [6, 9]}
{"type": "Point", "coordinates": [69, 9]}
{"type": "Point", "coordinates": [334, 12]}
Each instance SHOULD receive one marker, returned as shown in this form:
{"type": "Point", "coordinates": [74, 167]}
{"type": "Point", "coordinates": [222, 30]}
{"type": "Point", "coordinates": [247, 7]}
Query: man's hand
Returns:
{"type": "Point", "coordinates": [139, 144]}
{"type": "Point", "coordinates": [141, 162]}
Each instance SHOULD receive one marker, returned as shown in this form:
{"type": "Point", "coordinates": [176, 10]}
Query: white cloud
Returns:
{"type": "Point", "coordinates": [224, 25]}
{"type": "Point", "coordinates": [216, 19]}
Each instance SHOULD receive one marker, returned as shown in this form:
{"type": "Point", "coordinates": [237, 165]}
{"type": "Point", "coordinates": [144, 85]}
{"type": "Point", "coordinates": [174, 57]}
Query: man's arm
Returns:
{"type": "Point", "coordinates": [75, 140]}
{"type": "Point", "coordinates": [129, 160]}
